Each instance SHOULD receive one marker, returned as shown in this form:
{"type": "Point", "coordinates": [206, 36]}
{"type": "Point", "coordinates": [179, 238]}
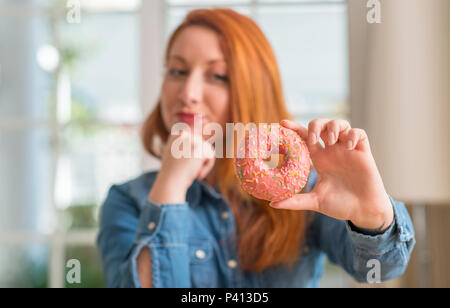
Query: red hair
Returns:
{"type": "Point", "coordinates": [265, 236]}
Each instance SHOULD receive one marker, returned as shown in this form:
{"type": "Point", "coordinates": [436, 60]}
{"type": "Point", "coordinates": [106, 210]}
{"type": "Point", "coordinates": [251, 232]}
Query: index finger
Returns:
{"type": "Point", "coordinates": [297, 127]}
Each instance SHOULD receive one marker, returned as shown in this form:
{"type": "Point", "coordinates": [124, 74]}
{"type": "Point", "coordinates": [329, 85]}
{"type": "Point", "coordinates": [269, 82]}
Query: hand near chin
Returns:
{"type": "Point", "coordinates": [188, 156]}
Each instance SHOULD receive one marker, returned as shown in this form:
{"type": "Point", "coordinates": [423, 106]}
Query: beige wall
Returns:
{"type": "Point", "coordinates": [400, 81]}
{"type": "Point", "coordinates": [400, 94]}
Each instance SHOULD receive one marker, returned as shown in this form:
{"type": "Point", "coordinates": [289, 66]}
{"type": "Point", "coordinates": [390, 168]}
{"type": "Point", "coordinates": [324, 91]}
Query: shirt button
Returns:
{"type": "Point", "coordinates": [232, 264]}
{"type": "Point", "coordinates": [225, 215]}
{"type": "Point", "coordinates": [200, 254]}
{"type": "Point", "coordinates": [151, 226]}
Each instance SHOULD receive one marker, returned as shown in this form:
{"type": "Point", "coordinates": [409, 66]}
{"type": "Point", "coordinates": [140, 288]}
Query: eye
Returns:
{"type": "Point", "coordinates": [177, 73]}
{"type": "Point", "coordinates": [219, 77]}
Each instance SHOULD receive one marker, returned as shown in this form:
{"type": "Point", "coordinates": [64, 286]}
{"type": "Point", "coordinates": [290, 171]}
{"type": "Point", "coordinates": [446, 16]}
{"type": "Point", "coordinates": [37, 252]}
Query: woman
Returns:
{"type": "Point", "coordinates": [190, 224]}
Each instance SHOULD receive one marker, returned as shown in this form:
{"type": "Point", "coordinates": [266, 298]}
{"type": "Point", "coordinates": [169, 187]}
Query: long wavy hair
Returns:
{"type": "Point", "coordinates": [266, 236]}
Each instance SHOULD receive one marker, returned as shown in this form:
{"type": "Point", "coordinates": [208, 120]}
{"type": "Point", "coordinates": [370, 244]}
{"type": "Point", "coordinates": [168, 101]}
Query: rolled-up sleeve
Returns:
{"type": "Point", "coordinates": [126, 228]}
{"type": "Point", "coordinates": [359, 253]}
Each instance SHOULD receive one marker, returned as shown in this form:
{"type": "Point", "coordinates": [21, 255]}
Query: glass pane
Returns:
{"type": "Point", "coordinates": [24, 266]}
{"type": "Point", "coordinates": [110, 5]}
{"type": "Point", "coordinates": [207, 2]}
{"type": "Point", "coordinates": [313, 57]}
{"type": "Point", "coordinates": [24, 84]}
{"type": "Point", "coordinates": [95, 157]}
{"type": "Point", "coordinates": [304, 2]}
{"type": "Point", "coordinates": [78, 217]}
{"type": "Point", "coordinates": [91, 272]}
{"type": "Point", "coordinates": [25, 181]}
{"type": "Point", "coordinates": [101, 56]}
{"type": "Point", "coordinates": [175, 15]}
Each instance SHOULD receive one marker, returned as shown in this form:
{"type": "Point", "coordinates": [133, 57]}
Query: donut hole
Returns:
{"type": "Point", "coordinates": [274, 161]}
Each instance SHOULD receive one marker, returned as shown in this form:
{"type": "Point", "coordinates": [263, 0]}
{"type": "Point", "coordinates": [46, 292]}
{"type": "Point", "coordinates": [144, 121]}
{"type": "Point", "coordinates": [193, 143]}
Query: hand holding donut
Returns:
{"type": "Point", "coordinates": [260, 170]}
{"type": "Point", "coordinates": [349, 186]}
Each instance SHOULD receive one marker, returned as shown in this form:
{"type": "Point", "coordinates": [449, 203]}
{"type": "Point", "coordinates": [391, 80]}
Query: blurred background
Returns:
{"type": "Point", "coordinates": [78, 77]}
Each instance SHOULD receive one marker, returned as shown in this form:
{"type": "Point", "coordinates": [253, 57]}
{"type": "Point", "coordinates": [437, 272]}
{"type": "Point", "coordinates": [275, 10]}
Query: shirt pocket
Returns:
{"type": "Point", "coordinates": [202, 265]}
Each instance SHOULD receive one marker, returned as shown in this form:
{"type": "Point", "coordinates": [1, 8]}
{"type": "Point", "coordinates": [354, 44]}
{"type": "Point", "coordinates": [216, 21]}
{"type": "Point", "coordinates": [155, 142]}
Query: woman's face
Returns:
{"type": "Point", "coordinates": [196, 80]}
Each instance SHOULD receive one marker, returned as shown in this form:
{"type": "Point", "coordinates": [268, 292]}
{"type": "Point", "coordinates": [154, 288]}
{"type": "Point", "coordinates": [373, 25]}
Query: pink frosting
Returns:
{"type": "Point", "coordinates": [262, 181]}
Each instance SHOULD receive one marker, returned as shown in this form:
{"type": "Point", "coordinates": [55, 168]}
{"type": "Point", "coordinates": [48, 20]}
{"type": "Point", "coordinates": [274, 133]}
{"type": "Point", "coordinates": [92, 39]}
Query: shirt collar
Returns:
{"type": "Point", "coordinates": [213, 192]}
{"type": "Point", "coordinates": [194, 193]}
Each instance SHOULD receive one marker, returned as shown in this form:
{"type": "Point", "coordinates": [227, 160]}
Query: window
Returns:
{"type": "Point", "coordinates": [71, 105]}
{"type": "Point", "coordinates": [70, 112]}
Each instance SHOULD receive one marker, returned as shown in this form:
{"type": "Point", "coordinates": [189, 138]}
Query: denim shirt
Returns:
{"type": "Point", "coordinates": [192, 244]}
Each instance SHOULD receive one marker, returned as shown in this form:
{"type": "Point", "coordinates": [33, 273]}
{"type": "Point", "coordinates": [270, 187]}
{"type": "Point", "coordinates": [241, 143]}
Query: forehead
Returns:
{"type": "Point", "coordinates": [197, 43]}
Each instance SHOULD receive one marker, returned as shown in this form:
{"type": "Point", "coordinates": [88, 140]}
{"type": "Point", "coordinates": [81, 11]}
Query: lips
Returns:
{"type": "Point", "coordinates": [188, 117]}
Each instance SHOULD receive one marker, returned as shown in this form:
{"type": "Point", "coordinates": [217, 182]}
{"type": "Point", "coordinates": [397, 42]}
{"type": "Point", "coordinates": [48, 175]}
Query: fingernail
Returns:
{"type": "Point", "coordinates": [313, 138]}
{"type": "Point", "coordinates": [350, 145]}
{"type": "Point", "coordinates": [332, 138]}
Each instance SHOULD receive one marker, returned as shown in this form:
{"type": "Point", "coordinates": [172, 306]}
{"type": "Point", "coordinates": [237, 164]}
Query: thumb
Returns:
{"type": "Point", "coordinates": [307, 201]}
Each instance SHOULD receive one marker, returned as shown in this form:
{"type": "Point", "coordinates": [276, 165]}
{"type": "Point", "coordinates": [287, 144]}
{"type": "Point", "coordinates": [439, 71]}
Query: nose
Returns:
{"type": "Point", "coordinates": [192, 90]}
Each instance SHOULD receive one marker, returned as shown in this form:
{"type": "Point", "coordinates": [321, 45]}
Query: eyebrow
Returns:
{"type": "Point", "coordinates": [184, 61]}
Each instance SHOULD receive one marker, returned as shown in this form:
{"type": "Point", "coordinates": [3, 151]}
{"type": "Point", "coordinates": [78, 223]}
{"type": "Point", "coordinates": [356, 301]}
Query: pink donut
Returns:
{"type": "Point", "coordinates": [258, 178]}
